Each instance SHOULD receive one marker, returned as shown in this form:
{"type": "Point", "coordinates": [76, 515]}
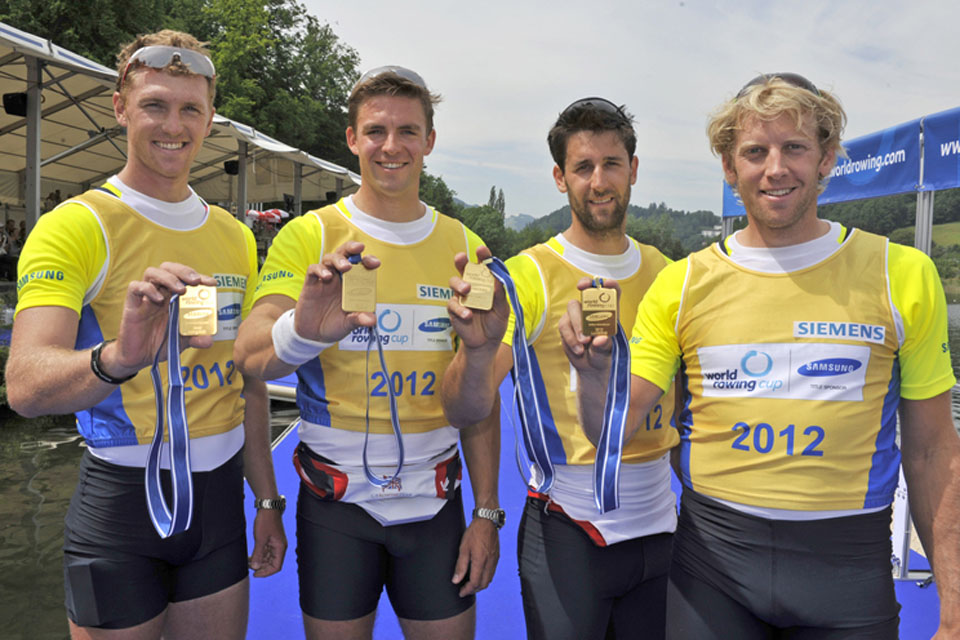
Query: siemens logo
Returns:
{"type": "Point", "coordinates": [228, 312]}
{"type": "Point", "coordinates": [829, 367]}
{"type": "Point", "coordinates": [430, 292]}
{"type": "Point", "coordinates": [229, 280]}
{"type": "Point", "coordinates": [435, 325]}
{"type": "Point", "coordinates": [847, 330]}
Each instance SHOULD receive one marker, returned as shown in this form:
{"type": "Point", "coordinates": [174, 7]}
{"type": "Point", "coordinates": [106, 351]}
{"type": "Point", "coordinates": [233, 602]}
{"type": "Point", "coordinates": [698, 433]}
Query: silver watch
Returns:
{"type": "Point", "coordinates": [280, 504]}
{"type": "Point", "coordinates": [497, 516]}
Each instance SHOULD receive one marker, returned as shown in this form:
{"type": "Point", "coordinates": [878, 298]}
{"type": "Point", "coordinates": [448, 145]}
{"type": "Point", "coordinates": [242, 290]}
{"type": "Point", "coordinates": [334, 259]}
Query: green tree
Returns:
{"type": "Point", "coordinates": [501, 203]}
{"type": "Point", "coordinates": [435, 192]}
{"type": "Point", "coordinates": [279, 69]}
{"type": "Point", "coordinates": [282, 72]}
{"type": "Point", "coordinates": [93, 28]}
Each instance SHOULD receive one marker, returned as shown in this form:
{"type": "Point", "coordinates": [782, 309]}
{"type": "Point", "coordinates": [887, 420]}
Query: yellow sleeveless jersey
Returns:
{"type": "Point", "coordinates": [793, 379]}
{"type": "Point", "coordinates": [63, 258]}
{"type": "Point", "coordinates": [546, 282]}
{"type": "Point", "coordinates": [415, 330]}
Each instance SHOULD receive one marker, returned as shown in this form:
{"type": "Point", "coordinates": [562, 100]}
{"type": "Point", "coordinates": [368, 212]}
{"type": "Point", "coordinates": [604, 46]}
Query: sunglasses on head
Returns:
{"type": "Point", "coordinates": [795, 79]}
{"type": "Point", "coordinates": [403, 72]}
{"type": "Point", "coordinates": [600, 104]}
{"type": "Point", "coordinates": [160, 56]}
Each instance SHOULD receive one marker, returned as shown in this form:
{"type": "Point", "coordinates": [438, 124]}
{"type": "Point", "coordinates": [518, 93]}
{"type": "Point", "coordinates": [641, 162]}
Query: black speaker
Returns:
{"type": "Point", "coordinates": [231, 167]}
{"type": "Point", "coordinates": [15, 104]}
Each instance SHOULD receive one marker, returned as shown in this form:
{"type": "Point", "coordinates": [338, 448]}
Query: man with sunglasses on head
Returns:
{"type": "Point", "coordinates": [583, 573]}
{"type": "Point", "coordinates": [379, 500]}
{"type": "Point", "coordinates": [96, 277]}
{"type": "Point", "coordinates": [799, 340]}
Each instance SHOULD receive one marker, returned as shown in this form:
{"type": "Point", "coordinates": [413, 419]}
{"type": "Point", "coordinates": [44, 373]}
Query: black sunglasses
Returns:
{"type": "Point", "coordinates": [795, 79]}
{"type": "Point", "coordinates": [600, 104]}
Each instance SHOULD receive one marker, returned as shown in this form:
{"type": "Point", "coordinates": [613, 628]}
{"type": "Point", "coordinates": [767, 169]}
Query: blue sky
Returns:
{"type": "Point", "coordinates": [506, 69]}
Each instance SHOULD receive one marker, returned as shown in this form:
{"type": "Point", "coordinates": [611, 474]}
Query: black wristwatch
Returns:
{"type": "Point", "coordinates": [97, 366]}
{"type": "Point", "coordinates": [496, 516]}
{"type": "Point", "coordinates": [280, 504]}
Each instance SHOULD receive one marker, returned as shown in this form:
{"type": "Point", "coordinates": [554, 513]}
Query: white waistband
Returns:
{"type": "Point", "coordinates": [206, 453]}
{"type": "Point", "coordinates": [647, 503]}
{"type": "Point", "coordinates": [791, 514]}
{"type": "Point", "coordinates": [346, 447]}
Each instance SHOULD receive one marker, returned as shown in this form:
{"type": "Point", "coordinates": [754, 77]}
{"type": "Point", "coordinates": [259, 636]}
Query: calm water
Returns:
{"type": "Point", "coordinates": [38, 472]}
{"type": "Point", "coordinates": [38, 461]}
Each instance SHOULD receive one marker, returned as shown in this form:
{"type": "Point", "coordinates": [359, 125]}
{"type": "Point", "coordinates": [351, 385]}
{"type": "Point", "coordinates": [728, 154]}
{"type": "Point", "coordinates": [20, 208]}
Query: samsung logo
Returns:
{"type": "Point", "coordinates": [841, 330]}
{"type": "Point", "coordinates": [435, 325]}
{"type": "Point", "coordinates": [829, 367]}
{"type": "Point", "coordinates": [228, 312]}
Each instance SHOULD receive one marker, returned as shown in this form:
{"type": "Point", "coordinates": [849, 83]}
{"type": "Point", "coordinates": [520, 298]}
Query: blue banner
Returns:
{"type": "Point", "coordinates": [941, 150]}
{"type": "Point", "coordinates": [879, 164]}
{"type": "Point", "coordinates": [732, 204]}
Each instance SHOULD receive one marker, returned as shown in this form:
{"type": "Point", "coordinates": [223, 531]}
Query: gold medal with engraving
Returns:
{"type": "Point", "coordinates": [598, 306]}
{"type": "Point", "coordinates": [198, 311]}
{"type": "Point", "coordinates": [359, 289]}
{"type": "Point", "coordinates": [481, 287]}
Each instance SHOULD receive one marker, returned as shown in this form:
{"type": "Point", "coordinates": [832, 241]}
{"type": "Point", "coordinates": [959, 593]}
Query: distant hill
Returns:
{"type": "Point", "coordinates": [518, 222]}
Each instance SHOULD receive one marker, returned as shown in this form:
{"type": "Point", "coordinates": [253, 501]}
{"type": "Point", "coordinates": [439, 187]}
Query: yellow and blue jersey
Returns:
{"type": "Point", "coordinates": [546, 281]}
{"type": "Point", "coordinates": [414, 328]}
{"type": "Point", "coordinates": [793, 379]}
{"type": "Point", "coordinates": [83, 255]}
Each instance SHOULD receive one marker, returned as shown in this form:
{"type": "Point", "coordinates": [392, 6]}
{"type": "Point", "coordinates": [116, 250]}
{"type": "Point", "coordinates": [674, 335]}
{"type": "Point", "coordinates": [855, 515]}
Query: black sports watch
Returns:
{"type": "Point", "coordinates": [280, 504]}
{"type": "Point", "coordinates": [496, 516]}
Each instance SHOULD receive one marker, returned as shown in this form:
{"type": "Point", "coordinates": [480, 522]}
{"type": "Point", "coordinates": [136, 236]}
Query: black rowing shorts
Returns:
{"type": "Point", "coordinates": [119, 572]}
{"type": "Point", "coordinates": [345, 558]}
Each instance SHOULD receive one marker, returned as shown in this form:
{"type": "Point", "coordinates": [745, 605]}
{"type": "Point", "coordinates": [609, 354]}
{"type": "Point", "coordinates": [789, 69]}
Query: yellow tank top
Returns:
{"type": "Point", "coordinates": [559, 284]}
{"type": "Point", "coordinates": [415, 330]}
{"type": "Point", "coordinates": [211, 383]}
{"type": "Point", "coordinates": [793, 380]}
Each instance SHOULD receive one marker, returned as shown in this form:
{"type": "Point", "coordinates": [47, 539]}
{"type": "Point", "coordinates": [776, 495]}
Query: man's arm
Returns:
{"type": "Point", "coordinates": [270, 542]}
{"type": "Point", "coordinates": [931, 465]}
{"type": "Point", "coordinates": [470, 383]}
{"type": "Point", "coordinates": [318, 316]}
{"type": "Point", "coordinates": [46, 375]}
{"type": "Point", "coordinates": [480, 545]}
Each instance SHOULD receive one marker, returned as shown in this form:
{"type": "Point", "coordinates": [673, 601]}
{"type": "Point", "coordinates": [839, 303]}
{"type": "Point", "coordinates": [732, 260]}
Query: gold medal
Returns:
{"type": "Point", "coordinates": [481, 287]}
{"type": "Point", "coordinates": [359, 289]}
{"type": "Point", "coordinates": [198, 311]}
{"type": "Point", "coordinates": [598, 306]}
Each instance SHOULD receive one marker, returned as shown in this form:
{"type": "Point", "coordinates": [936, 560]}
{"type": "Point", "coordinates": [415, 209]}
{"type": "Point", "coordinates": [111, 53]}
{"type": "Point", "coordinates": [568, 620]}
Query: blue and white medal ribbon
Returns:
{"type": "Point", "coordinates": [165, 522]}
{"type": "Point", "coordinates": [606, 466]}
{"type": "Point", "coordinates": [374, 336]}
{"type": "Point", "coordinates": [528, 384]}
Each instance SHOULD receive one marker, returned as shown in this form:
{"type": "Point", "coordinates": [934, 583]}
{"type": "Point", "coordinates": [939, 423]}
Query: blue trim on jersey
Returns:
{"type": "Point", "coordinates": [550, 434]}
{"type": "Point", "coordinates": [885, 462]}
{"type": "Point", "coordinates": [105, 424]}
{"type": "Point", "coordinates": [311, 393]}
{"type": "Point", "coordinates": [684, 425]}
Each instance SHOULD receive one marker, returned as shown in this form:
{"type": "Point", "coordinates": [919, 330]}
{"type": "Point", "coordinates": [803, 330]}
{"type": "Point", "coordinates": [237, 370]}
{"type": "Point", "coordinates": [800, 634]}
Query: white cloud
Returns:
{"type": "Point", "coordinates": [507, 68]}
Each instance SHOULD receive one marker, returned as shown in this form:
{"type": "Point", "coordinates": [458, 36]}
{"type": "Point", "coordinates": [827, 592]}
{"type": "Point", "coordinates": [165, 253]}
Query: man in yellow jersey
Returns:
{"type": "Point", "coordinates": [96, 276]}
{"type": "Point", "coordinates": [799, 340]}
{"type": "Point", "coordinates": [565, 542]}
{"type": "Point", "coordinates": [379, 465]}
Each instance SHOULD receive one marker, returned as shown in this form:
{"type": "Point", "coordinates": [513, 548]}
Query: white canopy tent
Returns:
{"type": "Point", "coordinates": [58, 134]}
